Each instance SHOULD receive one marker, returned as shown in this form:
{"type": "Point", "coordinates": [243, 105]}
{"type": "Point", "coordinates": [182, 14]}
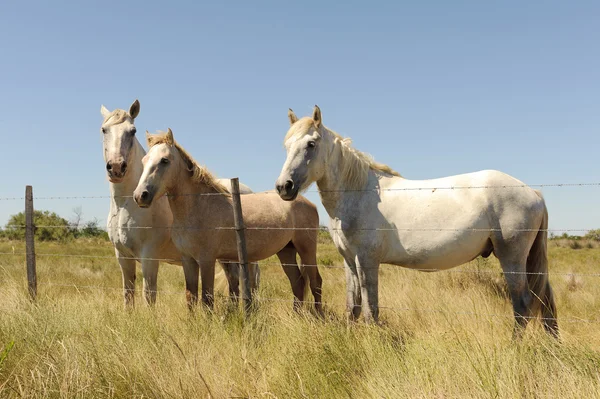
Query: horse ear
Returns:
{"type": "Point", "coordinates": [292, 116]}
{"type": "Point", "coordinates": [134, 110]}
{"type": "Point", "coordinates": [148, 139]}
{"type": "Point", "coordinates": [169, 138]}
{"type": "Point", "coordinates": [317, 116]}
{"type": "Point", "coordinates": [104, 111]}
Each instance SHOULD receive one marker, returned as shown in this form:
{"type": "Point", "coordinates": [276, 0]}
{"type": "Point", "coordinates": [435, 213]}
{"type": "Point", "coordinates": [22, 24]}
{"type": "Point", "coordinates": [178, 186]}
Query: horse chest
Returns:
{"type": "Point", "coordinates": [123, 231]}
{"type": "Point", "coordinates": [347, 237]}
{"type": "Point", "coordinates": [187, 243]}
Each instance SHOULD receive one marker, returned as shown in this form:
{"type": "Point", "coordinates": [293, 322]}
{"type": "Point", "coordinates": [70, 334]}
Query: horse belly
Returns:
{"type": "Point", "coordinates": [262, 244]}
{"type": "Point", "coordinates": [259, 244]}
{"type": "Point", "coordinates": [437, 250]}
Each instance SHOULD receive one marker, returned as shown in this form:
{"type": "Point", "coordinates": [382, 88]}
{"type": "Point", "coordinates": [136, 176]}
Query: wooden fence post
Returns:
{"type": "Point", "coordinates": [30, 243]}
{"type": "Point", "coordinates": [241, 243]}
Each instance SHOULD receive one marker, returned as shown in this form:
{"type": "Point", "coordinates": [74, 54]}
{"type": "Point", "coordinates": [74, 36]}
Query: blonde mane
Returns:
{"type": "Point", "coordinates": [115, 117]}
{"type": "Point", "coordinates": [354, 164]}
{"type": "Point", "coordinates": [200, 174]}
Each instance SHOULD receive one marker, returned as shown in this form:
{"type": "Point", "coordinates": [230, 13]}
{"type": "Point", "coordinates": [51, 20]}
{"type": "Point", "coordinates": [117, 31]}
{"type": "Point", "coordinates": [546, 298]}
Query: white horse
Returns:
{"type": "Point", "coordinates": [133, 242]}
{"type": "Point", "coordinates": [379, 217]}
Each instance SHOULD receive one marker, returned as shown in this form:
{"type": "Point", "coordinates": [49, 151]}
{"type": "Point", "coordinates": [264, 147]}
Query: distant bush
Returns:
{"type": "Point", "coordinates": [323, 237]}
{"type": "Point", "coordinates": [593, 235]}
{"type": "Point", "coordinates": [59, 230]}
{"type": "Point", "coordinates": [564, 236]}
{"type": "Point", "coordinates": [51, 227]}
{"type": "Point", "coordinates": [91, 229]}
{"type": "Point", "coordinates": [325, 260]}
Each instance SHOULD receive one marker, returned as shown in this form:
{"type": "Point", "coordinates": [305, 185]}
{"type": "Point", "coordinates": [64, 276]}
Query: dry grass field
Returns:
{"type": "Point", "coordinates": [443, 335]}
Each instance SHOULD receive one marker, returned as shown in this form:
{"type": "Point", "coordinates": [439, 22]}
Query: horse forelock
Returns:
{"type": "Point", "coordinates": [300, 128]}
{"type": "Point", "coordinates": [115, 117]}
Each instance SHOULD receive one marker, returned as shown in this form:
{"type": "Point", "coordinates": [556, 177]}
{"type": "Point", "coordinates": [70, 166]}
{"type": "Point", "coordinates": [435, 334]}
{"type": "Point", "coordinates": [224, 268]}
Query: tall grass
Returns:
{"type": "Point", "coordinates": [443, 335]}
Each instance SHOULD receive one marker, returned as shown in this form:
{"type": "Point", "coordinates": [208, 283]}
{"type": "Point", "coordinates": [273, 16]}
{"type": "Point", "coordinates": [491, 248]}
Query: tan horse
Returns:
{"type": "Point", "coordinates": [203, 222]}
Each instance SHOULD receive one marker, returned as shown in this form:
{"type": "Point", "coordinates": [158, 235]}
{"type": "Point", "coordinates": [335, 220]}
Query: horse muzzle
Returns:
{"type": "Point", "coordinates": [143, 198]}
{"type": "Point", "coordinates": [287, 190]}
{"type": "Point", "coordinates": [116, 171]}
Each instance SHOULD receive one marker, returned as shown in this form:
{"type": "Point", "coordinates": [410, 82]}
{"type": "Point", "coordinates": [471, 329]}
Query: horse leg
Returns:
{"type": "Point", "coordinates": [353, 297]}
{"type": "Point", "coordinates": [191, 273]}
{"type": "Point", "coordinates": [207, 273]}
{"type": "Point", "coordinates": [150, 276]}
{"type": "Point", "coordinates": [128, 271]}
{"type": "Point", "coordinates": [308, 256]}
{"type": "Point", "coordinates": [254, 272]}
{"type": "Point", "coordinates": [232, 273]}
{"type": "Point", "coordinates": [521, 298]}
{"type": "Point", "coordinates": [549, 312]}
{"type": "Point", "coordinates": [368, 277]}
{"type": "Point", "coordinates": [287, 257]}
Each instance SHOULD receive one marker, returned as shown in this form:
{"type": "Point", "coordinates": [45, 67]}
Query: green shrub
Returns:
{"type": "Point", "coordinates": [91, 229]}
{"type": "Point", "coordinates": [52, 227]}
{"type": "Point", "coordinates": [574, 245]}
{"type": "Point", "coordinates": [593, 235]}
{"type": "Point", "coordinates": [323, 236]}
{"type": "Point", "coordinates": [58, 230]}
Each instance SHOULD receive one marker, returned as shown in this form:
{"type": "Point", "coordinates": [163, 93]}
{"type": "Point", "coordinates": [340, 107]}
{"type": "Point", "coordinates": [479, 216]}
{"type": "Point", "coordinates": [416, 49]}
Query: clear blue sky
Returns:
{"type": "Point", "coordinates": [430, 88]}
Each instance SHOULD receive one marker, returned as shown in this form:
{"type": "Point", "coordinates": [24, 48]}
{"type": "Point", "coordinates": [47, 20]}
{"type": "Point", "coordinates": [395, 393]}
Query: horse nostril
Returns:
{"type": "Point", "coordinates": [289, 185]}
{"type": "Point", "coordinates": [123, 166]}
{"type": "Point", "coordinates": [145, 195]}
{"type": "Point", "coordinates": [108, 166]}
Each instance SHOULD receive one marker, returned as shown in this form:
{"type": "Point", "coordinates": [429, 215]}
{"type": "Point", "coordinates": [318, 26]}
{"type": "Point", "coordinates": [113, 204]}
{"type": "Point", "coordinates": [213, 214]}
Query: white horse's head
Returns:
{"type": "Point", "coordinates": [160, 168]}
{"type": "Point", "coordinates": [307, 149]}
{"type": "Point", "coordinates": [118, 132]}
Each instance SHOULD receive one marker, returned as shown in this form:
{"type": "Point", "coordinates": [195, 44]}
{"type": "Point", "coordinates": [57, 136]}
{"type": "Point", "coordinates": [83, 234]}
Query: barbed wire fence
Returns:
{"type": "Point", "coordinates": [31, 256]}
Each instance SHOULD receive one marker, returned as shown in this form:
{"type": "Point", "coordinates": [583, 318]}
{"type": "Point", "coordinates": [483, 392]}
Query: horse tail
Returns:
{"type": "Point", "coordinates": [537, 276]}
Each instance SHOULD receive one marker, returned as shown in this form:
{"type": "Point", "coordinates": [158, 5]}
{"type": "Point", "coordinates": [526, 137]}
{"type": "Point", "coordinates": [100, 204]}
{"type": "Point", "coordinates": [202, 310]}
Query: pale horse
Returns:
{"type": "Point", "coordinates": [376, 216]}
{"type": "Point", "coordinates": [128, 225]}
{"type": "Point", "coordinates": [203, 223]}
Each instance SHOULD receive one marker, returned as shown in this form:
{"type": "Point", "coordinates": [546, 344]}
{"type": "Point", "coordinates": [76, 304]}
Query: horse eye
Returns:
{"type": "Point", "coordinates": [103, 130]}
{"type": "Point", "coordinates": [164, 161]}
{"type": "Point", "coordinates": [311, 144]}
{"type": "Point", "coordinates": [133, 130]}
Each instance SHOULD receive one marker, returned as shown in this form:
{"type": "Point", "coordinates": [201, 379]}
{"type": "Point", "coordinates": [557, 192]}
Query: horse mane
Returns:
{"type": "Point", "coordinates": [115, 117]}
{"type": "Point", "coordinates": [355, 164]}
{"type": "Point", "coordinates": [199, 174]}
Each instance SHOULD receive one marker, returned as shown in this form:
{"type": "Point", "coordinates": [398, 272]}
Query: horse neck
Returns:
{"type": "Point", "coordinates": [330, 186]}
{"type": "Point", "coordinates": [189, 199]}
{"type": "Point", "coordinates": [333, 188]}
{"type": "Point", "coordinates": [119, 191]}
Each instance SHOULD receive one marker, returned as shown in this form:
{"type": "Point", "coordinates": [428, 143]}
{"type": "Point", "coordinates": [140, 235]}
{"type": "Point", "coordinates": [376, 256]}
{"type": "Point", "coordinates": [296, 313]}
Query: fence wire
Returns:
{"type": "Point", "coordinates": [319, 228]}
{"type": "Point", "coordinates": [433, 188]}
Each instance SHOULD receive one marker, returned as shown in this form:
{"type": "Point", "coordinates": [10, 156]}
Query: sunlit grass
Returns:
{"type": "Point", "coordinates": [444, 334]}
